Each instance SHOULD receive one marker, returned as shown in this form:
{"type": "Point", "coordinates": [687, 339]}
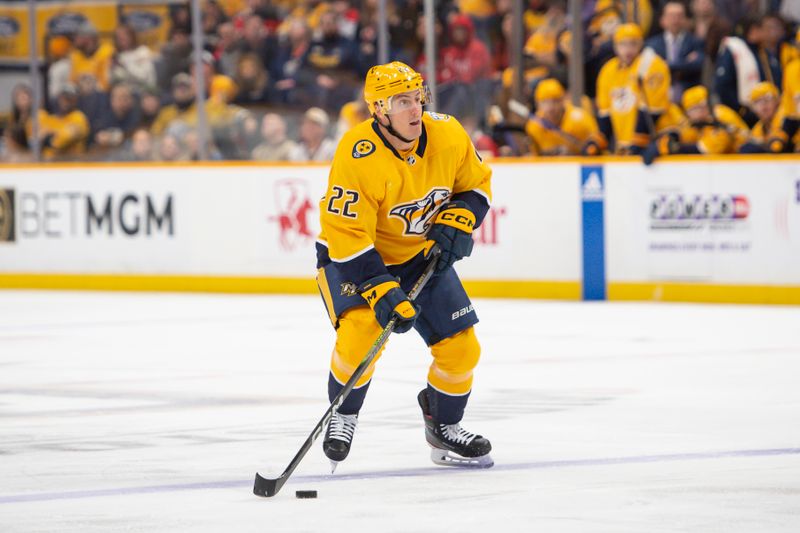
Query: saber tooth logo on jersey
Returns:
{"type": "Point", "coordinates": [418, 214]}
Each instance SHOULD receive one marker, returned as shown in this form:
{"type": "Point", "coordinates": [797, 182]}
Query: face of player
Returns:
{"type": "Point", "coordinates": [627, 50]}
{"type": "Point", "coordinates": [765, 108]}
{"type": "Point", "coordinates": [699, 113]}
{"type": "Point", "coordinates": [405, 112]}
{"type": "Point", "coordinates": [552, 109]}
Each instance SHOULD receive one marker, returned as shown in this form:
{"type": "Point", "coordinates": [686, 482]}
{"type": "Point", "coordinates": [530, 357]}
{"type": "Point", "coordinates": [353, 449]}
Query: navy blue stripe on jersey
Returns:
{"type": "Point", "coordinates": [357, 270]}
{"type": "Point", "coordinates": [421, 145]}
{"type": "Point", "coordinates": [477, 203]}
{"type": "Point", "coordinates": [423, 141]}
{"type": "Point", "coordinates": [386, 143]}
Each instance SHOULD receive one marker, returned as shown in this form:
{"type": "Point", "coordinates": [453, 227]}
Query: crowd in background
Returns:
{"type": "Point", "coordinates": [284, 80]}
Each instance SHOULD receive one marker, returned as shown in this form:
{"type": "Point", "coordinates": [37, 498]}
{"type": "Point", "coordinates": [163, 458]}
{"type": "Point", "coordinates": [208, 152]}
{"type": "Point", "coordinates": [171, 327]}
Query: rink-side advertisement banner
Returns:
{"type": "Point", "coordinates": [711, 223]}
{"type": "Point", "coordinates": [257, 223]}
{"type": "Point", "coordinates": [706, 231]}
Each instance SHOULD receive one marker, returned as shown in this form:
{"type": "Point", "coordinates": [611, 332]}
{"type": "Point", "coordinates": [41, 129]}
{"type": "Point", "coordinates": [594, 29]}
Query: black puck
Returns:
{"type": "Point", "coordinates": [303, 494]}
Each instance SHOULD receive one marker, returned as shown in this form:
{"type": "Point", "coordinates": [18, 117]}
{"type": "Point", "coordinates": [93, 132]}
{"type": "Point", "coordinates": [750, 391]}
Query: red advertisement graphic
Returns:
{"type": "Point", "coordinates": [294, 210]}
{"type": "Point", "coordinates": [489, 231]}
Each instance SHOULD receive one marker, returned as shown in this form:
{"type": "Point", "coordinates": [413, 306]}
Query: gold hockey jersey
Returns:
{"type": "Point", "coordinates": [379, 198]}
{"type": "Point", "coordinates": [623, 91]}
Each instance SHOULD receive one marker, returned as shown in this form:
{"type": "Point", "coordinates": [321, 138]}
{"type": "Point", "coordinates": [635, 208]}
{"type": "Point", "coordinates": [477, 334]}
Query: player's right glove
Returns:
{"type": "Point", "coordinates": [387, 300]}
{"type": "Point", "coordinates": [452, 231]}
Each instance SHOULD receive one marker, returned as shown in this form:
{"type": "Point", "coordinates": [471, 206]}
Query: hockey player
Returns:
{"type": "Point", "coordinates": [399, 183]}
{"type": "Point", "coordinates": [632, 92]}
{"type": "Point", "coordinates": [707, 130]}
{"type": "Point", "coordinates": [773, 133]}
{"type": "Point", "coordinates": [558, 127]}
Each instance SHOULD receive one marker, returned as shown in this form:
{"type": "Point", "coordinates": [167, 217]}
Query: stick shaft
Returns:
{"type": "Point", "coordinates": [270, 487]}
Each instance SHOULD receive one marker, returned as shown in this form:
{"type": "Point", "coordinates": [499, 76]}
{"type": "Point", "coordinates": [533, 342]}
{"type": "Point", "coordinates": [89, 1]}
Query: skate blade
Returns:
{"type": "Point", "coordinates": [448, 458]}
{"type": "Point", "coordinates": [334, 464]}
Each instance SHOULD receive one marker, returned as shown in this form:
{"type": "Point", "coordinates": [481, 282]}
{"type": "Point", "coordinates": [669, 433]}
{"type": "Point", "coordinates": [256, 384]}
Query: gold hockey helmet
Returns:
{"type": "Point", "coordinates": [385, 81]}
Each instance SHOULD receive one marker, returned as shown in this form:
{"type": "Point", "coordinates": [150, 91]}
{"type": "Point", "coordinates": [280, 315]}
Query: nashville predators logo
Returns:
{"type": "Point", "coordinates": [363, 148]}
{"type": "Point", "coordinates": [418, 214]}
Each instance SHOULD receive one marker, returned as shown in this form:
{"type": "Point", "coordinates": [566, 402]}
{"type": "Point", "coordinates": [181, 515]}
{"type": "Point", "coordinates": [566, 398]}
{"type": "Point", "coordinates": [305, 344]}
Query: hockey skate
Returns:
{"type": "Point", "coordinates": [339, 437]}
{"type": "Point", "coordinates": [452, 445]}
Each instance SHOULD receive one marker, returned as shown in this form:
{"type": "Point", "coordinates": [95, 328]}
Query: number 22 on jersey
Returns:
{"type": "Point", "coordinates": [341, 200]}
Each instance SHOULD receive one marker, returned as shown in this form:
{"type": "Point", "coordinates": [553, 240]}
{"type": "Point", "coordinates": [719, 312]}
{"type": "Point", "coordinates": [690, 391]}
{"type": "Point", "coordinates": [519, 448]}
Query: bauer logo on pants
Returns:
{"type": "Point", "coordinates": [7, 229]}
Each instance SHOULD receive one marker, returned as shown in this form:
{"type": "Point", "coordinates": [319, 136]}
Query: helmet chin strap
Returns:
{"type": "Point", "coordinates": [393, 131]}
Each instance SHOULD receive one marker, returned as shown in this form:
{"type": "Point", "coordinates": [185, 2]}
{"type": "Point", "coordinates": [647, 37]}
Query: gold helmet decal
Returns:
{"type": "Point", "coordinates": [385, 81]}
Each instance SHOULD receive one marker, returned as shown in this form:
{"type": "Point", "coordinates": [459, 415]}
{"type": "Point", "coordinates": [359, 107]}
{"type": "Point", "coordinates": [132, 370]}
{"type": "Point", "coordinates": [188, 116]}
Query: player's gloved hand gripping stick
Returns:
{"type": "Point", "coordinates": [452, 232]}
{"type": "Point", "coordinates": [270, 487]}
{"type": "Point", "coordinates": [387, 299]}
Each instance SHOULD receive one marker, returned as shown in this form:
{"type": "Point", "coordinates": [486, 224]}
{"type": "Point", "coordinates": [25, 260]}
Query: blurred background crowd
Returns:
{"type": "Point", "coordinates": [283, 79]}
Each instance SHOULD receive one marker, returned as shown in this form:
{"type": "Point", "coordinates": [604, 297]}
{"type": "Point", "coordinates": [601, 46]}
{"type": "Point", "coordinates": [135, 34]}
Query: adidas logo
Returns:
{"type": "Point", "coordinates": [592, 188]}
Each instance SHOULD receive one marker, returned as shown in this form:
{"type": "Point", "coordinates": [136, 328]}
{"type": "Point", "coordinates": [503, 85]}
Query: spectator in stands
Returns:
{"type": "Point", "coordinates": [139, 147]}
{"type": "Point", "coordinates": [209, 70]}
{"type": "Point", "coordinates": [63, 134]}
{"type": "Point", "coordinates": [741, 65]}
{"type": "Point", "coordinates": [212, 17]}
{"type": "Point", "coordinates": [252, 80]}
{"type": "Point", "coordinates": [223, 90]}
{"type": "Point", "coordinates": [149, 107]}
{"type": "Point", "coordinates": [464, 76]}
{"type": "Point", "coordinates": [275, 146]}
{"type": "Point", "coordinates": [632, 92]}
{"type": "Point", "coordinates": [682, 51]}
{"type": "Point", "coordinates": [175, 57]}
{"type": "Point", "coordinates": [775, 39]}
{"type": "Point", "coordinates": [287, 71]}
{"type": "Point", "coordinates": [771, 133]}
{"type": "Point", "coordinates": [314, 145]}
{"type": "Point", "coordinates": [559, 128]}
{"type": "Point", "coordinates": [333, 63]}
{"type": "Point", "coordinates": [258, 40]}
{"type": "Point", "coordinates": [351, 114]}
{"type": "Point", "coordinates": [19, 123]}
{"type": "Point", "coordinates": [90, 57]}
{"type": "Point", "coordinates": [791, 84]}
{"type": "Point", "coordinates": [182, 108]}
{"type": "Point", "coordinates": [17, 129]}
{"type": "Point", "coordinates": [191, 143]}
{"type": "Point", "coordinates": [600, 30]}
{"type": "Point", "coordinates": [118, 122]}
{"type": "Point", "coordinates": [228, 49]}
{"type": "Point", "coordinates": [59, 67]}
{"type": "Point", "coordinates": [272, 15]}
{"type": "Point", "coordinates": [709, 26]}
{"type": "Point", "coordinates": [91, 101]}
{"type": "Point", "coordinates": [132, 63]}
{"type": "Point", "coordinates": [170, 148]}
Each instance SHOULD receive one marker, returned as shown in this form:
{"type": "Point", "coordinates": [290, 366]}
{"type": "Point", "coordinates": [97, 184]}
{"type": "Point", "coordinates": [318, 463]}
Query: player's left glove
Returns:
{"type": "Point", "coordinates": [452, 231]}
{"type": "Point", "coordinates": [387, 300]}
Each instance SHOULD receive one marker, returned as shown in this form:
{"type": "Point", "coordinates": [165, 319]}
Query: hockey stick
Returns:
{"type": "Point", "coordinates": [270, 487]}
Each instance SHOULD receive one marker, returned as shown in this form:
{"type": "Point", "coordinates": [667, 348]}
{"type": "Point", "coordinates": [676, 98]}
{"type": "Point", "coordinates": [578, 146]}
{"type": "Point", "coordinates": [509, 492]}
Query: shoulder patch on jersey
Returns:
{"type": "Point", "coordinates": [363, 148]}
{"type": "Point", "coordinates": [438, 116]}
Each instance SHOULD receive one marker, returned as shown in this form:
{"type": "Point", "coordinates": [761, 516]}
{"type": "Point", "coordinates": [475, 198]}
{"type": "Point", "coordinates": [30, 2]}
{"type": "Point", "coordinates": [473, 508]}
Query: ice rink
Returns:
{"type": "Point", "coordinates": [152, 412]}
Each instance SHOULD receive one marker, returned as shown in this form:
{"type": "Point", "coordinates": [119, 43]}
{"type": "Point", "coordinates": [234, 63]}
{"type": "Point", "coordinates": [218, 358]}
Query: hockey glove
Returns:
{"type": "Point", "coordinates": [452, 231]}
{"type": "Point", "coordinates": [387, 300]}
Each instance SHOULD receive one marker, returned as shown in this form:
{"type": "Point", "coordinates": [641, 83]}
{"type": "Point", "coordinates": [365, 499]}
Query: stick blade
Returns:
{"type": "Point", "coordinates": [266, 487]}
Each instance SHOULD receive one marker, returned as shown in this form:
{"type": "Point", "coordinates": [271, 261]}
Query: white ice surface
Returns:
{"type": "Point", "coordinates": [152, 412]}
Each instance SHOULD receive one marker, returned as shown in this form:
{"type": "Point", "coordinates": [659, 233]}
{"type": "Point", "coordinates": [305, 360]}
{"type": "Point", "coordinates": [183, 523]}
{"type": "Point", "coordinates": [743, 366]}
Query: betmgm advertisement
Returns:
{"type": "Point", "coordinates": [47, 226]}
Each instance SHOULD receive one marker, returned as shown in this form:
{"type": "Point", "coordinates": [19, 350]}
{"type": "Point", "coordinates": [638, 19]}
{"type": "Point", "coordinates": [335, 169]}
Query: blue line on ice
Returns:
{"type": "Point", "coordinates": [411, 472]}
